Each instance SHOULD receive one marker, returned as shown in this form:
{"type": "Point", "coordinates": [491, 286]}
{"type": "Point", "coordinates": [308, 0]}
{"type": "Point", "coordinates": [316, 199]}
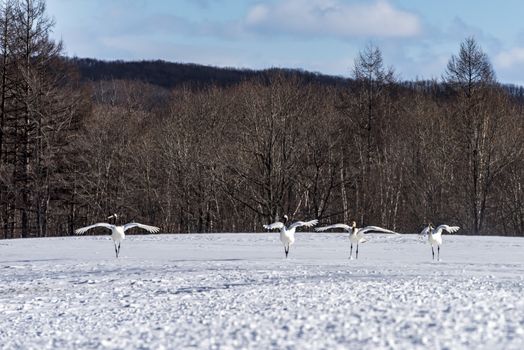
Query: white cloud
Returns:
{"type": "Point", "coordinates": [333, 17]}
{"type": "Point", "coordinates": [510, 58]}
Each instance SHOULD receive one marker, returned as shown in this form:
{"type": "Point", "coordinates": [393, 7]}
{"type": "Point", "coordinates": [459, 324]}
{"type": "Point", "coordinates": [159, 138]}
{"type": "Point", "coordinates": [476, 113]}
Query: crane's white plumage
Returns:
{"type": "Point", "coordinates": [118, 232]}
{"type": "Point", "coordinates": [275, 225]}
{"type": "Point", "coordinates": [287, 234]}
{"type": "Point", "coordinates": [435, 236]}
{"type": "Point", "coordinates": [148, 228]}
{"type": "Point", "coordinates": [425, 231]}
{"type": "Point", "coordinates": [100, 224]}
{"type": "Point", "coordinates": [356, 235]}
{"type": "Point", "coordinates": [325, 228]}
{"type": "Point", "coordinates": [310, 223]}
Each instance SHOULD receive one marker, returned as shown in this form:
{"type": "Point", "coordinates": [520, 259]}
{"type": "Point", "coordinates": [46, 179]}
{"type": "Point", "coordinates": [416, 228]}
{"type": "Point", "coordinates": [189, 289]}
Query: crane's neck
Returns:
{"type": "Point", "coordinates": [113, 218]}
{"type": "Point", "coordinates": [353, 229]}
{"type": "Point", "coordinates": [285, 219]}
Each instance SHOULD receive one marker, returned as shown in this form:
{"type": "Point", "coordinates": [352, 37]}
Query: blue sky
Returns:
{"type": "Point", "coordinates": [417, 37]}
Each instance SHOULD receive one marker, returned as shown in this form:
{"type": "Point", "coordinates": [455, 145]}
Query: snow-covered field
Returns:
{"type": "Point", "coordinates": [233, 291]}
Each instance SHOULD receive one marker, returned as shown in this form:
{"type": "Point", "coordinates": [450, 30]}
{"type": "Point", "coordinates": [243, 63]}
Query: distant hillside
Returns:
{"type": "Point", "coordinates": [169, 74]}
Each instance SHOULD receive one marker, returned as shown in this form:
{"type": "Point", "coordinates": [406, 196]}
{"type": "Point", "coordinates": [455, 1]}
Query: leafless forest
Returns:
{"type": "Point", "coordinates": [218, 158]}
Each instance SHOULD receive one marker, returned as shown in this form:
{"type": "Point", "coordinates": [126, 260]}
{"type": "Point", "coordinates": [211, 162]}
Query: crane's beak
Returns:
{"type": "Point", "coordinates": [112, 216]}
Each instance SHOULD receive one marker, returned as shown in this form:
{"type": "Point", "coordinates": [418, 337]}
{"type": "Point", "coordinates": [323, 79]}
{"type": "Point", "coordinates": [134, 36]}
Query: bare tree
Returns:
{"type": "Point", "coordinates": [476, 126]}
{"type": "Point", "coordinates": [367, 105]}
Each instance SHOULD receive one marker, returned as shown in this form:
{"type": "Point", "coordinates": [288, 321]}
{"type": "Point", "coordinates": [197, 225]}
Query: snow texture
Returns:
{"type": "Point", "coordinates": [230, 291]}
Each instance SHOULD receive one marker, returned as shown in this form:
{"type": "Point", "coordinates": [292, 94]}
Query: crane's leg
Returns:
{"type": "Point", "coordinates": [351, 251]}
{"type": "Point", "coordinates": [356, 254]}
{"type": "Point", "coordinates": [119, 248]}
{"type": "Point", "coordinates": [438, 253]}
{"type": "Point", "coordinates": [116, 250]}
{"type": "Point", "coordinates": [433, 252]}
{"type": "Point", "coordinates": [286, 250]}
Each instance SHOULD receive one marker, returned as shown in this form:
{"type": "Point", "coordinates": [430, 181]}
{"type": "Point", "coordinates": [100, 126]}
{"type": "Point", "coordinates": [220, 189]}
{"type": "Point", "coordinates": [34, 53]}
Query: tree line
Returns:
{"type": "Point", "coordinates": [220, 157]}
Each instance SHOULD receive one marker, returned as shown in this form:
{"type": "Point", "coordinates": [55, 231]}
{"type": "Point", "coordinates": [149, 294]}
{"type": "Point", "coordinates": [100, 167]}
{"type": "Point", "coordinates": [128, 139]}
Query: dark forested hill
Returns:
{"type": "Point", "coordinates": [170, 75]}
